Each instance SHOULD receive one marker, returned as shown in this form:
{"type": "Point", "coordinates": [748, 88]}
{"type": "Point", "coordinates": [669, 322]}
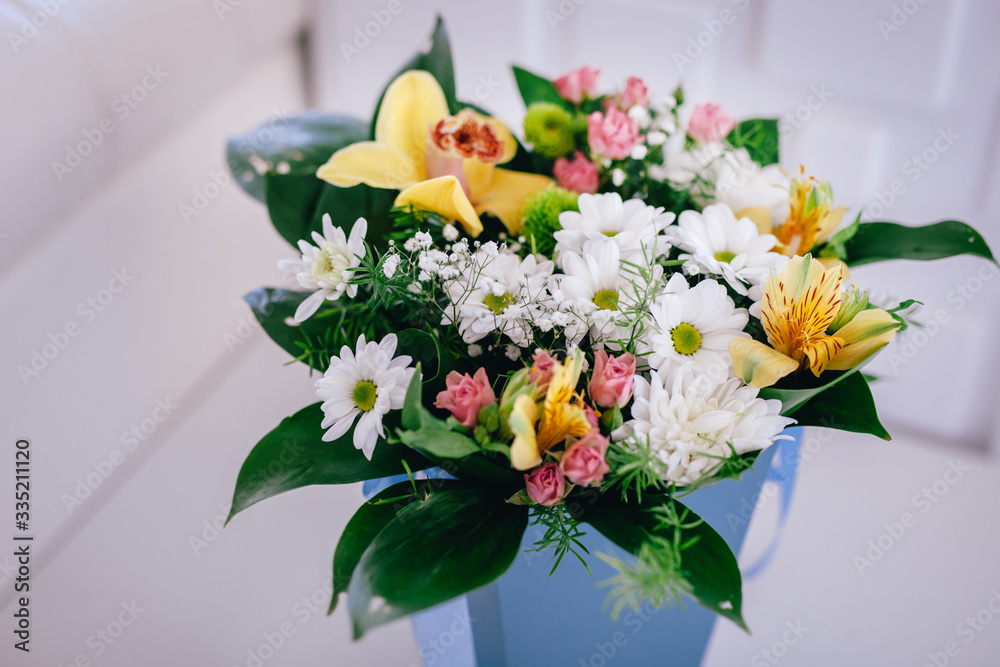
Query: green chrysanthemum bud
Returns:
{"type": "Point", "coordinates": [541, 217]}
{"type": "Point", "coordinates": [549, 128]}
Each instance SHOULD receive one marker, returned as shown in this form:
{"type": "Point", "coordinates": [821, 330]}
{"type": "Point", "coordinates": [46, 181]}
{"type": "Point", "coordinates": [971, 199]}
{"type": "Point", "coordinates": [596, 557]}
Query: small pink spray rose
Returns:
{"type": "Point", "coordinates": [580, 175]}
{"type": "Point", "coordinates": [578, 84]}
{"type": "Point", "coordinates": [611, 381]}
{"type": "Point", "coordinates": [709, 122]}
{"type": "Point", "coordinates": [584, 463]}
{"type": "Point", "coordinates": [635, 93]}
{"type": "Point", "coordinates": [465, 396]}
{"type": "Point", "coordinates": [546, 485]}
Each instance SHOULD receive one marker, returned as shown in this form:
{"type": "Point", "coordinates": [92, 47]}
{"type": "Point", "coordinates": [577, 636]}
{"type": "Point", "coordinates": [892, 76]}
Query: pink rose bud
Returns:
{"type": "Point", "coordinates": [578, 84]}
{"type": "Point", "coordinates": [465, 396]}
{"type": "Point", "coordinates": [546, 485]}
{"type": "Point", "coordinates": [634, 94]}
{"type": "Point", "coordinates": [613, 134]}
{"type": "Point", "coordinates": [583, 463]}
{"type": "Point", "coordinates": [709, 123]}
{"type": "Point", "coordinates": [580, 175]}
{"type": "Point", "coordinates": [541, 369]}
{"type": "Point", "coordinates": [611, 381]}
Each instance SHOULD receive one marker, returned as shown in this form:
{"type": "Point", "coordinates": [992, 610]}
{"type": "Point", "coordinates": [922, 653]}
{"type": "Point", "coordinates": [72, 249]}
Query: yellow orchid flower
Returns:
{"type": "Point", "coordinates": [562, 415]}
{"type": "Point", "coordinates": [441, 163]}
{"type": "Point", "coordinates": [811, 219]}
{"type": "Point", "coordinates": [810, 324]}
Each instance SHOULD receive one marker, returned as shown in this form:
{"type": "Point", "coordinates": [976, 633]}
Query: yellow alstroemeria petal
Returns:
{"type": "Point", "coordinates": [371, 163]}
{"type": "Point", "coordinates": [829, 223]}
{"type": "Point", "coordinates": [866, 334]}
{"type": "Point", "coordinates": [413, 103]}
{"type": "Point", "coordinates": [524, 452]}
{"type": "Point", "coordinates": [759, 365]}
{"type": "Point", "coordinates": [445, 197]}
{"type": "Point", "coordinates": [761, 216]}
{"type": "Point", "coordinates": [833, 262]}
{"type": "Point", "coordinates": [506, 194]}
{"type": "Point", "coordinates": [819, 351]}
{"type": "Point", "coordinates": [799, 273]}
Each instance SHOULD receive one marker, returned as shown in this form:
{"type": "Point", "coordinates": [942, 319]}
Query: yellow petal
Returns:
{"type": "Point", "coordinates": [761, 216]}
{"type": "Point", "coordinates": [759, 365]}
{"type": "Point", "coordinates": [413, 102]}
{"type": "Point", "coordinates": [820, 350]}
{"type": "Point", "coordinates": [445, 197]}
{"type": "Point", "coordinates": [829, 223]}
{"type": "Point", "coordinates": [478, 175]}
{"type": "Point", "coordinates": [372, 163]}
{"type": "Point", "coordinates": [509, 143]}
{"type": "Point", "coordinates": [524, 452]}
{"type": "Point", "coordinates": [799, 274]}
{"type": "Point", "coordinates": [833, 262]}
{"type": "Point", "coordinates": [505, 196]}
{"type": "Point", "coordinates": [866, 334]}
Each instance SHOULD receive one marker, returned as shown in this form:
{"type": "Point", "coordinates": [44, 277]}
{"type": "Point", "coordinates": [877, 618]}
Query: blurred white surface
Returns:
{"type": "Point", "coordinates": [163, 337]}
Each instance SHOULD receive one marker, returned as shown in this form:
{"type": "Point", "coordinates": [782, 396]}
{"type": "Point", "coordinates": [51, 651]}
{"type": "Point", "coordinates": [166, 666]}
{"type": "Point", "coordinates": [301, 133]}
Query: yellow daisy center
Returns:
{"type": "Point", "coordinates": [498, 304]}
{"type": "Point", "coordinates": [606, 299]}
{"type": "Point", "coordinates": [725, 256]}
{"type": "Point", "coordinates": [687, 339]}
{"type": "Point", "coordinates": [364, 395]}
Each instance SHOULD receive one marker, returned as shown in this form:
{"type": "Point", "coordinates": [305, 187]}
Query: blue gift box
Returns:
{"type": "Point", "coordinates": [529, 618]}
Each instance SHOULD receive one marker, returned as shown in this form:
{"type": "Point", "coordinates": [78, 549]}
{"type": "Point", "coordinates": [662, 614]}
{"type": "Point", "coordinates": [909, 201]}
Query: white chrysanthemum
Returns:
{"type": "Point", "coordinates": [600, 291]}
{"type": "Point", "coordinates": [498, 292]}
{"type": "Point", "coordinates": [368, 382]}
{"type": "Point", "coordinates": [327, 266]}
{"type": "Point", "coordinates": [691, 423]}
{"type": "Point", "coordinates": [744, 183]}
{"type": "Point", "coordinates": [724, 246]}
{"type": "Point", "coordinates": [632, 225]}
{"type": "Point", "coordinates": [693, 326]}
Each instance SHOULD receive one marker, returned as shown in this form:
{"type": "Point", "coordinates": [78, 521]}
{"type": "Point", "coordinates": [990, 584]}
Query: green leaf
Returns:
{"type": "Point", "coordinates": [437, 61]}
{"type": "Point", "coordinates": [794, 398]}
{"type": "Point", "coordinates": [708, 564]}
{"type": "Point", "coordinates": [456, 540]}
{"type": "Point", "coordinates": [534, 88]}
{"type": "Point", "coordinates": [760, 137]}
{"type": "Point", "coordinates": [274, 308]}
{"type": "Point", "coordinates": [303, 142]}
{"type": "Point", "coordinates": [366, 523]}
{"type": "Point", "coordinates": [881, 241]}
{"type": "Point", "coordinates": [297, 202]}
{"type": "Point", "coordinates": [846, 406]}
{"type": "Point", "coordinates": [294, 455]}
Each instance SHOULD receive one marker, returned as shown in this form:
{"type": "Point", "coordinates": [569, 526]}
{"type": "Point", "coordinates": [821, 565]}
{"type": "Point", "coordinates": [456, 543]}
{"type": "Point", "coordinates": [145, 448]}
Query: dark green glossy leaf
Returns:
{"type": "Point", "coordinates": [303, 142]}
{"type": "Point", "coordinates": [709, 564]}
{"type": "Point", "coordinates": [846, 406]}
{"type": "Point", "coordinates": [456, 540]}
{"type": "Point", "coordinates": [366, 523]}
{"type": "Point", "coordinates": [793, 398]}
{"type": "Point", "coordinates": [274, 309]}
{"type": "Point", "coordinates": [881, 241]}
{"type": "Point", "coordinates": [760, 137]}
{"type": "Point", "coordinates": [534, 88]}
{"type": "Point", "coordinates": [437, 61]}
{"type": "Point", "coordinates": [294, 455]}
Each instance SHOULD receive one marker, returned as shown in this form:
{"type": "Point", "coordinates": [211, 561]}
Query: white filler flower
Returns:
{"type": "Point", "coordinates": [724, 246]}
{"type": "Point", "coordinates": [368, 382]}
{"type": "Point", "coordinates": [327, 266]}
{"type": "Point", "coordinates": [693, 327]}
{"type": "Point", "coordinates": [691, 424]}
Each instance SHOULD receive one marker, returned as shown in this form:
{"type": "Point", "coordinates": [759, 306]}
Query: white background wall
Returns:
{"type": "Point", "coordinates": [163, 336]}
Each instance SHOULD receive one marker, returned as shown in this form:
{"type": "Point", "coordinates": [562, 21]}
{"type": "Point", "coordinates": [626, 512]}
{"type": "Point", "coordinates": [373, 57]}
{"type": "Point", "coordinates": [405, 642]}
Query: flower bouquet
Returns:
{"type": "Point", "coordinates": [572, 330]}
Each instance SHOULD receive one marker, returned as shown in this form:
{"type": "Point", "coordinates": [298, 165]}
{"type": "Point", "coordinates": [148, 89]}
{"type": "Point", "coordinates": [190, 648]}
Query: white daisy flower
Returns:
{"type": "Point", "coordinates": [368, 382]}
{"type": "Point", "coordinates": [693, 326]}
{"type": "Point", "coordinates": [632, 225]}
{"type": "Point", "coordinates": [498, 292]}
{"type": "Point", "coordinates": [601, 289]}
{"type": "Point", "coordinates": [724, 246]}
{"type": "Point", "coordinates": [327, 266]}
{"type": "Point", "coordinates": [692, 423]}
